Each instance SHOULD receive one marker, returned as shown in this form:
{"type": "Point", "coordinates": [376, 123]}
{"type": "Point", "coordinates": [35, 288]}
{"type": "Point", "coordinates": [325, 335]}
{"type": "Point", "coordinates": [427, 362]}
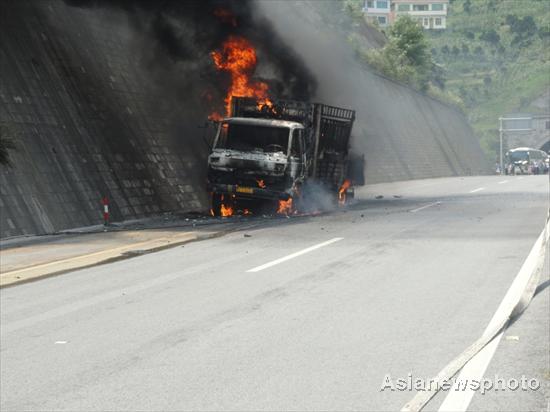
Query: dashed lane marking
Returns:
{"type": "Point", "coordinates": [425, 207]}
{"type": "Point", "coordinates": [294, 255]}
{"type": "Point", "coordinates": [479, 189]}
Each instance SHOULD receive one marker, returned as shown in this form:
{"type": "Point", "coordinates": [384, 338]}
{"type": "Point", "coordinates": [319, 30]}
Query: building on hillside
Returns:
{"type": "Point", "coordinates": [378, 11]}
{"type": "Point", "coordinates": [431, 14]}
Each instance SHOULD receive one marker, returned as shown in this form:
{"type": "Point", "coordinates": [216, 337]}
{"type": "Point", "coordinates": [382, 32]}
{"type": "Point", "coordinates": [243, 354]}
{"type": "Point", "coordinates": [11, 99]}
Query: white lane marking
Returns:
{"type": "Point", "coordinates": [479, 189]}
{"type": "Point", "coordinates": [60, 342]}
{"type": "Point", "coordinates": [424, 207]}
{"type": "Point", "coordinates": [293, 255]}
{"type": "Point", "coordinates": [502, 182]}
{"type": "Point", "coordinates": [459, 397]}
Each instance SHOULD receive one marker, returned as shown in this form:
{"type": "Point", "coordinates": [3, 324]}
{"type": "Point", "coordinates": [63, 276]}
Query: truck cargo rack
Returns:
{"type": "Point", "coordinates": [291, 110]}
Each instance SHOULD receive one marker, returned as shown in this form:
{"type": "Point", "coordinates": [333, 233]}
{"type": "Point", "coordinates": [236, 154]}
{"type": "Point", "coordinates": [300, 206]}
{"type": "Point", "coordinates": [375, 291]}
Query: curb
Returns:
{"type": "Point", "coordinates": [130, 252]}
{"type": "Point", "coordinates": [17, 277]}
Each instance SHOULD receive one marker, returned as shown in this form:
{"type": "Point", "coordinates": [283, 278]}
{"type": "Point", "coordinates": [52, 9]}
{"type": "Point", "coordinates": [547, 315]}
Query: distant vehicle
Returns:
{"type": "Point", "coordinates": [525, 160]}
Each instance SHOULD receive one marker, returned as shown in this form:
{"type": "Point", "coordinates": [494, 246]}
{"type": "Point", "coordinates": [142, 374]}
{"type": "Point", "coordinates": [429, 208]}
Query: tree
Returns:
{"type": "Point", "coordinates": [456, 51]}
{"type": "Point", "coordinates": [408, 36]}
{"type": "Point", "coordinates": [354, 9]}
{"type": "Point", "coordinates": [406, 56]}
{"type": "Point", "coordinates": [478, 51]}
{"type": "Point", "coordinates": [469, 35]}
{"type": "Point", "coordinates": [445, 49]}
{"type": "Point", "coordinates": [437, 76]}
{"type": "Point", "coordinates": [523, 28]}
{"type": "Point", "coordinates": [465, 48]}
{"type": "Point", "coordinates": [490, 36]}
{"type": "Point", "coordinates": [6, 144]}
{"type": "Point", "coordinates": [391, 62]}
{"type": "Point", "coordinates": [467, 6]}
{"type": "Point", "coordinates": [512, 21]}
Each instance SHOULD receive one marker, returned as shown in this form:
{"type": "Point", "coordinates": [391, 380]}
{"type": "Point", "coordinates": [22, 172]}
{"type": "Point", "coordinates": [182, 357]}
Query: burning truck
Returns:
{"type": "Point", "coordinates": [282, 151]}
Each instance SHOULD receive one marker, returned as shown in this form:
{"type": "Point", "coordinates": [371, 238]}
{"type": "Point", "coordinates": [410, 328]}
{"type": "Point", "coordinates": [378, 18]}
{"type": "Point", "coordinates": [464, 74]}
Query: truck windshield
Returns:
{"type": "Point", "coordinates": [250, 138]}
{"type": "Point", "coordinates": [519, 155]}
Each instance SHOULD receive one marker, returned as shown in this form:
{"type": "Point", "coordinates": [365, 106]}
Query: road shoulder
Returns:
{"type": "Point", "coordinates": [35, 261]}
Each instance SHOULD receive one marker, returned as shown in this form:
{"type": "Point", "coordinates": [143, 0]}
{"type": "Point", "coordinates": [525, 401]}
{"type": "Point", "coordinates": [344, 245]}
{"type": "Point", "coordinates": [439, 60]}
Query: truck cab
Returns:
{"type": "Point", "coordinates": [254, 157]}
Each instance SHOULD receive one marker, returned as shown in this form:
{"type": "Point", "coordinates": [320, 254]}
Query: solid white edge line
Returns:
{"type": "Point", "coordinates": [459, 399]}
{"type": "Point", "coordinates": [294, 255]}
{"type": "Point", "coordinates": [504, 181]}
{"type": "Point", "coordinates": [479, 189]}
{"type": "Point", "coordinates": [516, 300]}
{"type": "Point", "coordinates": [424, 207]}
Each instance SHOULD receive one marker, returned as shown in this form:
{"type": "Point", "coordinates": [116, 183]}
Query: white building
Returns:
{"type": "Point", "coordinates": [378, 11]}
{"type": "Point", "coordinates": [431, 14]}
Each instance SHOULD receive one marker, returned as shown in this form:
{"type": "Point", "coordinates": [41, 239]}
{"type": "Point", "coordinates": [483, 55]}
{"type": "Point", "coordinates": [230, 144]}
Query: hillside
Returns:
{"type": "Point", "coordinates": [495, 54]}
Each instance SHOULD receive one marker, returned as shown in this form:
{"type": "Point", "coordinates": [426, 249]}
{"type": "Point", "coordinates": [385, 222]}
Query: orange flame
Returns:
{"type": "Point", "coordinates": [285, 207]}
{"type": "Point", "coordinates": [238, 57]}
{"type": "Point", "coordinates": [226, 211]}
{"type": "Point", "coordinates": [216, 117]}
{"type": "Point", "coordinates": [261, 183]}
{"type": "Point", "coordinates": [342, 192]}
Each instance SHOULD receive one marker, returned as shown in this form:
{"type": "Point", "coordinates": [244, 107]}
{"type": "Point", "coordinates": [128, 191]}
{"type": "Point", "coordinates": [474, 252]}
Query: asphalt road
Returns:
{"type": "Point", "coordinates": [302, 314]}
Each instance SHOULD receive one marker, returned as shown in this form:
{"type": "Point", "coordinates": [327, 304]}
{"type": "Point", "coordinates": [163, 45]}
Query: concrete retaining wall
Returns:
{"type": "Point", "coordinates": [88, 122]}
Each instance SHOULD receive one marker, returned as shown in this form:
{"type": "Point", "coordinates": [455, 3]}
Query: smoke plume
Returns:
{"type": "Point", "coordinates": [178, 36]}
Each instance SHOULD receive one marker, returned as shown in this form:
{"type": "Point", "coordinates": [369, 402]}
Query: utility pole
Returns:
{"type": "Point", "coordinates": [500, 132]}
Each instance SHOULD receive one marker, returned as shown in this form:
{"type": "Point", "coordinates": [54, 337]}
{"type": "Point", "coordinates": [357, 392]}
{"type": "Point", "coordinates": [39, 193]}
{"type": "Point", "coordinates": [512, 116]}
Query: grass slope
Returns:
{"type": "Point", "coordinates": [496, 57]}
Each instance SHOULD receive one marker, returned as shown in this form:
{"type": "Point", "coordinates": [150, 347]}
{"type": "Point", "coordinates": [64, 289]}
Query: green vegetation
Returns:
{"type": "Point", "coordinates": [405, 57]}
{"type": "Point", "coordinates": [495, 55]}
{"type": "Point", "coordinates": [493, 59]}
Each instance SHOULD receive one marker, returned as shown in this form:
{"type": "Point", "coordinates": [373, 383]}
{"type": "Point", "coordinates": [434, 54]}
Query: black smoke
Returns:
{"type": "Point", "coordinates": [183, 33]}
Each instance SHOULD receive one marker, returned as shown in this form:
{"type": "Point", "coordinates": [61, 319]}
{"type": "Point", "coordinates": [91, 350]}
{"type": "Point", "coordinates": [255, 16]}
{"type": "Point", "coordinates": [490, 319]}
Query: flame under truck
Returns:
{"type": "Point", "coordinates": [282, 150]}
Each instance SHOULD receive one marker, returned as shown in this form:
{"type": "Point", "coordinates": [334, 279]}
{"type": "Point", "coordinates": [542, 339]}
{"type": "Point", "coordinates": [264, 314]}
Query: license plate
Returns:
{"type": "Point", "coordinates": [248, 190]}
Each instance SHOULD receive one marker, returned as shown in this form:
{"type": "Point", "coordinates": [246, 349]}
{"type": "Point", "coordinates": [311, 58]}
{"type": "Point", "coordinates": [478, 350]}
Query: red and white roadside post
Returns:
{"type": "Point", "coordinates": [105, 203]}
